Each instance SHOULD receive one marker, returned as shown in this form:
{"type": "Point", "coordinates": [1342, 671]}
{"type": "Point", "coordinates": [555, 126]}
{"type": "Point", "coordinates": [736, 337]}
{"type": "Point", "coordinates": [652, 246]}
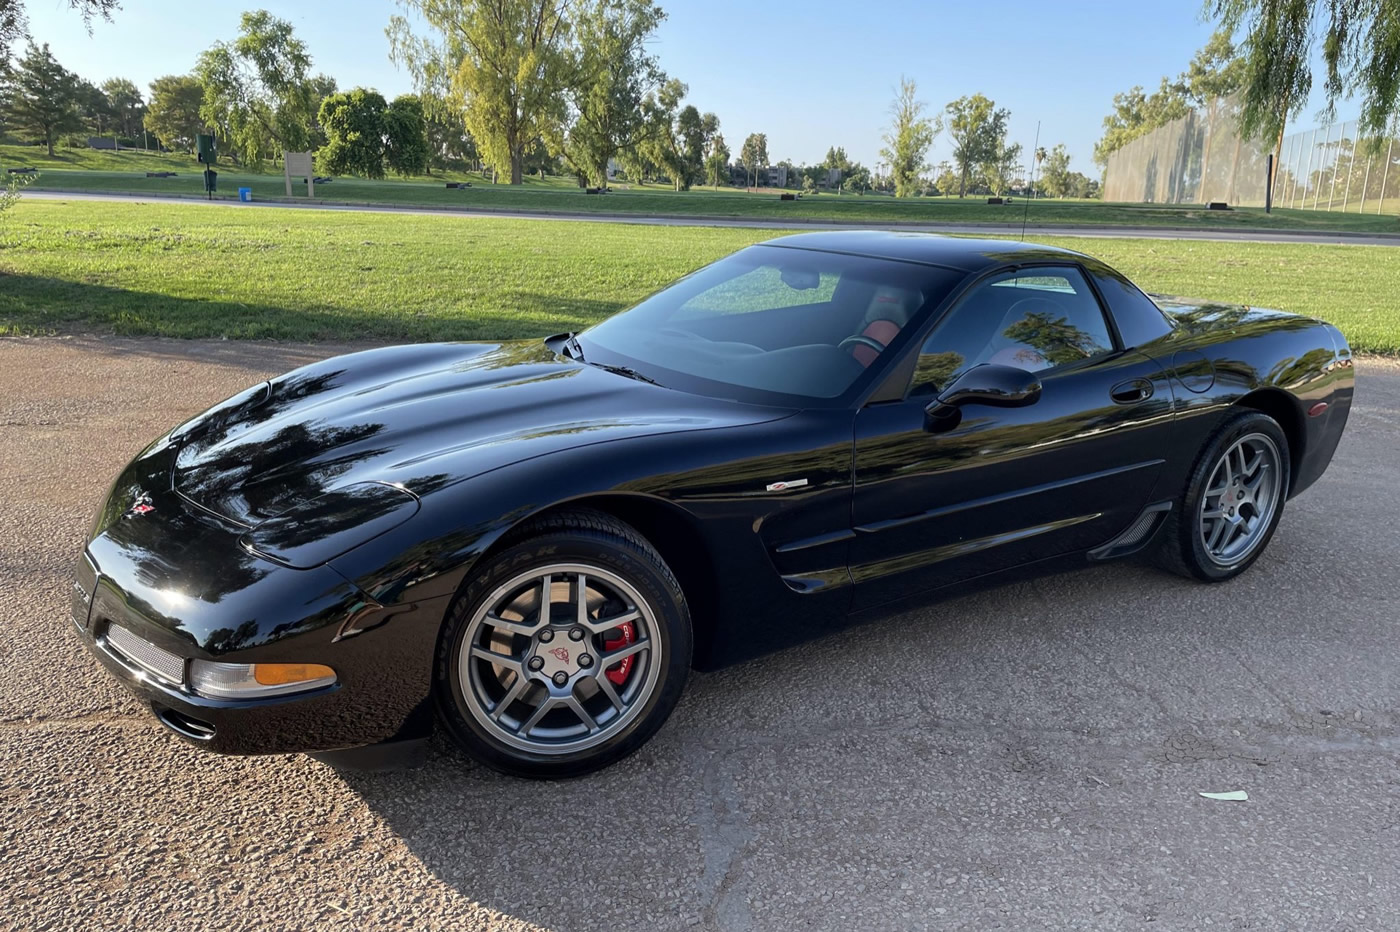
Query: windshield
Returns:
{"type": "Point", "coordinates": [772, 324]}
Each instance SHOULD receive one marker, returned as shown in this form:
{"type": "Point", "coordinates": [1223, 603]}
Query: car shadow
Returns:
{"type": "Point", "coordinates": [974, 692]}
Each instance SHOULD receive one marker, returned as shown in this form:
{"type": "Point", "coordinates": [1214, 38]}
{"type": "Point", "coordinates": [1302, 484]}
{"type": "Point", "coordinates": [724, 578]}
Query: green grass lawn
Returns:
{"type": "Point", "coordinates": [188, 270]}
{"type": "Point", "coordinates": [124, 172]}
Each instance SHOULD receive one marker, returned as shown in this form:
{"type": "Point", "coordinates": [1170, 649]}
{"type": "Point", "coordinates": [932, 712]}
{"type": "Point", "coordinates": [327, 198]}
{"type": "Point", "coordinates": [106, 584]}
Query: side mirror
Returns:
{"type": "Point", "coordinates": [987, 384]}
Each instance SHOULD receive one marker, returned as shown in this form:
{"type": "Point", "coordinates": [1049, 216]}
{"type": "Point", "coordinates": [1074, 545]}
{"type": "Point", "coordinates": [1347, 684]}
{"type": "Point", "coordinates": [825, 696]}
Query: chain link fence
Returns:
{"type": "Point", "coordinates": [1202, 158]}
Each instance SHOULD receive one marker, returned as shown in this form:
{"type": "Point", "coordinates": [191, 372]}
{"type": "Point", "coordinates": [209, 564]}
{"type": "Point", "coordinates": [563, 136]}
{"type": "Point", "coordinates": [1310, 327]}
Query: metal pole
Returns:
{"type": "Point", "coordinates": [1366, 183]}
{"type": "Point", "coordinates": [1292, 174]}
{"type": "Point", "coordinates": [1326, 141]}
{"type": "Point", "coordinates": [1351, 170]}
{"type": "Point", "coordinates": [1336, 167]}
{"type": "Point", "coordinates": [1312, 149]}
{"type": "Point", "coordinates": [1295, 163]}
{"type": "Point", "coordinates": [1386, 175]}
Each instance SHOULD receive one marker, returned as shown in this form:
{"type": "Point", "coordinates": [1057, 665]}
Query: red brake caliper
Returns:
{"type": "Point", "coordinates": [617, 673]}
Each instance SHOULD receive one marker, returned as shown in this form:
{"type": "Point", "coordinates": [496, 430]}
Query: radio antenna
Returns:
{"type": "Point", "coordinates": [1025, 213]}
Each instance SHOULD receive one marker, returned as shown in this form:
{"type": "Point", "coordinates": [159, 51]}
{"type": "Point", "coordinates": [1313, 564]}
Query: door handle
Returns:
{"type": "Point", "coordinates": [1131, 392]}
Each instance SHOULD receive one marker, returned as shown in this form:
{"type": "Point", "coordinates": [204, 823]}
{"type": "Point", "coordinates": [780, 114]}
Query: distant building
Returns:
{"type": "Point", "coordinates": [833, 177]}
{"type": "Point", "coordinates": [777, 176]}
{"type": "Point", "coordinates": [101, 142]}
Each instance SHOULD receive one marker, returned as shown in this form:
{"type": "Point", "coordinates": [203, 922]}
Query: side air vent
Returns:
{"type": "Point", "coordinates": [1136, 536]}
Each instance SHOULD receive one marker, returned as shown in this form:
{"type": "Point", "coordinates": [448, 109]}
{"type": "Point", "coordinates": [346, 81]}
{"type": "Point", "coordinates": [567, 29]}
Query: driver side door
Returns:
{"type": "Point", "coordinates": [939, 500]}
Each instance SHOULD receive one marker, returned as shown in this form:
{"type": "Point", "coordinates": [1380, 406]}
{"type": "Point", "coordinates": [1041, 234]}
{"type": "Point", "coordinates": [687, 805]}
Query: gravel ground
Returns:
{"type": "Point", "coordinates": [1026, 758]}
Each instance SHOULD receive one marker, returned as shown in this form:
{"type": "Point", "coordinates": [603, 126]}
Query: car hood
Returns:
{"type": "Point", "coordinates": [420, 417]}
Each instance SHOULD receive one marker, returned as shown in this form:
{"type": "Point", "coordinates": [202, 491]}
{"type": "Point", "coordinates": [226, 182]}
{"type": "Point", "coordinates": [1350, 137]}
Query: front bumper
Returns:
{"type": "Point", "coordinates": [382, 657]}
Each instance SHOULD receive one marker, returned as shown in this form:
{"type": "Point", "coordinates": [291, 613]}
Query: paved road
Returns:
{"type": "Point", "coordinates": [1009, 230]}
{"type": "Point", "coordinates": [1025, 759]}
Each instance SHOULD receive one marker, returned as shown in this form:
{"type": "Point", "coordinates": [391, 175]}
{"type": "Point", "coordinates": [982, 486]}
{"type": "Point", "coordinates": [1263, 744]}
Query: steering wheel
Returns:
{"type": "Point", "coordinates": [861, 339]}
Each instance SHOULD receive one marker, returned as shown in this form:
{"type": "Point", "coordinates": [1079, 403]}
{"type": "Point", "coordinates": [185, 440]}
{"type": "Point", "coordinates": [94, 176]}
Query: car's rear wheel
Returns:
{"type": "Point", "coordinates": [1233, 502]}
{"type": "Point", "coordinates": [566, 652]}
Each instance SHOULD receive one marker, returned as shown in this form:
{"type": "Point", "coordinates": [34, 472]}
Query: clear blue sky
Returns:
{"type": "Point", "coordinates": [822, 76]}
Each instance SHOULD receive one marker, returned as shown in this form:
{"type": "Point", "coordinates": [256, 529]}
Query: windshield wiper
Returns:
{"type": "Point", "coordinates": [625, 370]}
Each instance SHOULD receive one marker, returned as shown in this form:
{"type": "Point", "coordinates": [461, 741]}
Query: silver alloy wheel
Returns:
{"type": "Point", "coordinates": [535, 657]}
{"type": "Point", "coordinates": [1242, 494]}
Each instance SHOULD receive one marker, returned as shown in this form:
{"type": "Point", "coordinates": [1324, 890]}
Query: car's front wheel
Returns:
{"type": "Point", "coordinates": [566, 652]}
{"type": "Point", "coordinates": [1233, 502]}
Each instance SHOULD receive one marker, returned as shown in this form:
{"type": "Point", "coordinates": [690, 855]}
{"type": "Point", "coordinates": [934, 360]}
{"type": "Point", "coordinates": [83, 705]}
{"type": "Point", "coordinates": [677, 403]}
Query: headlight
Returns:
{"type": "Point", "coordinates": [216, 680]}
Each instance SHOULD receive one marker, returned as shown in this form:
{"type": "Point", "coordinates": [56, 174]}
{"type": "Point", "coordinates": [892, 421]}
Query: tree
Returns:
{"type": "Point", "coordinates": [44, 99]}
{"type": "Point", "coordinates": [1136, 113]}
{"type": "Point", "coordinates": [354, 124]}
{"type": "Point", "coordinates": [1360, 54]}
{"type": "Point", "coordinates": [977, 128]}
{"type": "Point", "coordinates": [128, 109]}
{"type": "Point", "coordinates": [405, 136]}
{"type": "Point", "coordinates": [502, 63]}
{"type": "Point", "coordinates": [173, 113]}
{"type": "Point", "coordinates": [449, 144]}
{"type": "Point", "coordinates": [610, 74]}
{"type": "Point", "coordinates": [257, 89]}
{"type": "Point", "coordinates": [1055, 173]}
{"type": "Point", "coordinates": [1003, 167]}
{"type": "Point", "coordinates": [945, 178]}
{"type": "Point", "coordinates": [318, 89]}
{"type": "Point", "coordinates": [14, 26]}
{"type": "Point", "coordinates": [717, 161]}
{"type": "Point", "coordinates": [1217, 70]}
{"type": "Point", "coordinates": [908, 140]}
{"type": "Point", "coordinates": [856, 178]}
{"type": "Point", "coordinates": [754, 154]}
{"type": "Point", "coordinates": [690, 138]}
{"type": "Point", "coordinates": [94, 108]}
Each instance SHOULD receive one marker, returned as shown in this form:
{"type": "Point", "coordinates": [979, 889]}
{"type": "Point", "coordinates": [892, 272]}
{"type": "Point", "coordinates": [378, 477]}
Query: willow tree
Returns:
{"type": "Point", "coordinates": [258, 89]}
{"type": "Point", "coordinates": [1360, 51]}
{"type": "Point", "coordinates": [501, 64]}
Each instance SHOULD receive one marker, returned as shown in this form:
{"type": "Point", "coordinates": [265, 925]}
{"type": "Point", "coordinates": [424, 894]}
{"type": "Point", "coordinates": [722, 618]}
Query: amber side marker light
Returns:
{"type": "Point", "coordinates": [257, 680]}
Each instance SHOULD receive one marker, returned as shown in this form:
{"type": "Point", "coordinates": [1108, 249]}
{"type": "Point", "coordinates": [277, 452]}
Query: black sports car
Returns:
{"type": "Point", "coordinates": [533, 542]}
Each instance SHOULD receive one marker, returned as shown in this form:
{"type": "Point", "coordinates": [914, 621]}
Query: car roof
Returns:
{"type": "Point", "coordinates": [968, 255]}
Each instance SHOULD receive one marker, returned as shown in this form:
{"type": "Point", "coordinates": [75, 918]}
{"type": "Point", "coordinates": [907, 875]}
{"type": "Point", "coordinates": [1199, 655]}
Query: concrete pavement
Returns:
{"type": "Point", "coordinates": [1025, 758]}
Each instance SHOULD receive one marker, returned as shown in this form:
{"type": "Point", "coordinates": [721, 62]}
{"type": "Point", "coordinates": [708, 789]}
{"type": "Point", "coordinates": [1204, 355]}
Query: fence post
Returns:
{"type": "Point", "coordinates": [1307, 175]}
{"type": "Point", "coordinates": [1385, 176]}
{"type": "Point", "coordinates": [1295, 153]}
{"type": "Point", "coordinates": [1326, 141]}
{"type": "Point", "coordinates": [1351, 170]}
{"type": "Point", "coordinates": [1361, 208]}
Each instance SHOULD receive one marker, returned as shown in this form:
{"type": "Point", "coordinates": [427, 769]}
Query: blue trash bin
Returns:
{"type": "Point", "coordinates": [245, 195]}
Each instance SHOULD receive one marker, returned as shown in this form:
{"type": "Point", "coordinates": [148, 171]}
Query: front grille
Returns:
{"type": "Point", "coordinates": [147, 656]}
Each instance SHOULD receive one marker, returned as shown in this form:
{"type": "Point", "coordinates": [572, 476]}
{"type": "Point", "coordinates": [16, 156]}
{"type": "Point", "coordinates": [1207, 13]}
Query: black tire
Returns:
{"type": "Point", "coordinates": [1181, 548]}
{"type": "Point", "coordinates": [576, 537]}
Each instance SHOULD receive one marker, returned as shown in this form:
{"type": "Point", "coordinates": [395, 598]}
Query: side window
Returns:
{"type": "Point", "coordinates": [1034, 319]}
